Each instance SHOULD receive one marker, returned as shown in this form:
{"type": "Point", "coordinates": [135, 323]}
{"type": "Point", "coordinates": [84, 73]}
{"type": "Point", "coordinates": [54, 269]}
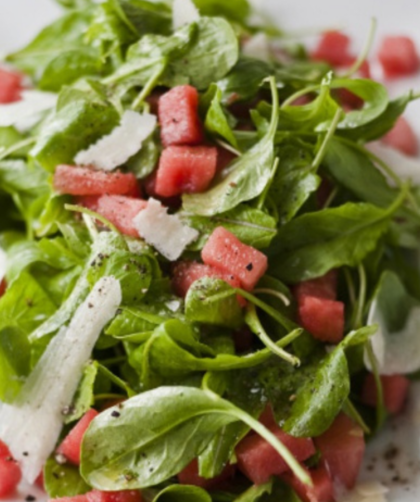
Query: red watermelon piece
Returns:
{"type": "Point", "coordinates": [72, 443]}
{"type": "Point", "coordinates": [227, 253]}
{"type": "Point", "coordinates": [402, 138]}
{"type": "Point", "coordinates": [398, 56]}
{"type": "Point", "coordinates": [185, 169]}
{"type": "Point", "coordinates": [321, 287]}
{"type": "Point", "coordinates": [178, 117]}
{"type": "Point", "coordinates": [75, 180]}
{"type": "Point", "coordinates": [333, 47]}
{"type": "Point", "coordinates": [321, 491]}
{"type": "Point", "coordinates": [395, 390]}
{"type": "Point", "coordinates": [258, 460]}
{"type": "Point", "coordinates": [99, 496]}
{"type": "Point", "coordinates": [10, 475]}
{"type": "Point", "coordinates": [120, 211]}
{"type": "Point", "coordinates": [342, 449]}
{"type": "Point", "coordinates": [323, 318]}
{"type": "Point", "coordinates": [10, 86]}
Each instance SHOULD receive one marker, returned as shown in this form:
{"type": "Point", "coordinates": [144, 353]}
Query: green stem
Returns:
{"type": "Point", "coordinates": [273, 292]}
{"type": "Point", "coordinates": [5, 152]}
{"type": "Point", "coordinates": [85, 210]}
{"type": "Point", "coordinates": [113, 360]}
{"type": "Point", "coordinates": [257, 328]}
{"type": "Point", "coordinates": [228, 147]}
{"type": "Point", "coordinates": [331, 197]}
{"type": "Point", "coordinates": [274, 121]}
{"type": "Point", "coordinates": [380, 406]}
{"type": "Point", "coordinates": [150, 85]}
{"type": "Point", "coordinates": [358, 322]}
{"type": "Point", "coordinates": [365, 51]}
{"type": "Point", "coordinates": [90, 225]}
{"type": "Point", "coordinates": [330, 133]}
{"type": "Point", "coordinates": [104, 397]}
{"type": "Point", "coordinates": [350, 286]}
{"type": "Point", "coordinates": [299, 94]}
{"type": "Point", "coordinates": [352, 412]}
{"type": "Point", "coordinates": [116, 380]}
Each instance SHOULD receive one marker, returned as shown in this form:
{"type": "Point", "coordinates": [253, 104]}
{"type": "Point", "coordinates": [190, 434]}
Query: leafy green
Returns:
{"type": "Point", "coordinates": [182, 493]}
{"type": "Point", "coordinates": [84, 398]}
{"type": "Point", "coordinates": [235, 10]}
{"type": "Point", "coordinates": [63, 480]}
{"type": "Point", "coordinates": [217, 121]}
{"type": "Point", "coordinates": [14, 362]}
{"type": "Point", "coordinates": [314, 243]}
{"type": "Point", "coordinates": [244, 179]}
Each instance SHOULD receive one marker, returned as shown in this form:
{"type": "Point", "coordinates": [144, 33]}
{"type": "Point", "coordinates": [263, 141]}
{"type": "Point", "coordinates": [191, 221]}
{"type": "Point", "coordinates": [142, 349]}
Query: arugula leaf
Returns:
{"type": "Point", "coordinates": [63, 480]}
{"type": "Point", "coordinates": [252, 226]}
{"type": "Point", "coordinates": [255, 493]}
{"type": "Point", "coordinates": [213, 301]}
{"type": "Point", "coordinates": [84, 398]}
{"type": "Point", "coordinates": [314, 243]}
{"type": "Point", "coordinates": [217, 120]}
{"type": "Point", "coordinates": [59, 42]}
{"type": "Point", "coordinates": [235, 10]}
{"type": "Point", "coordinates": [9, 136]}
{"type": "Point", "coordinates": [60, 139]}
{"type": "Point", "coordinates": [144, 162]}
{"type": "Point", "coordinates": [244, 179]}
{"type": "Point", "coordinates": [182, 493]}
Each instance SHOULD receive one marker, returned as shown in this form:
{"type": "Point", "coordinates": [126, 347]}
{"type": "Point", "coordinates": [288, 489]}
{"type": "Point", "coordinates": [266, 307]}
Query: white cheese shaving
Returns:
{"type": "Point", "coordinates": [397, 352]}
{"type": "Point", "coordinates": [122, 143]}
{"type": "Point", "coordinates": [406, 168]}
{"type": "Point", "coordinates": [257, 47]}
{"type": "Point", "coordinates": [369, 491]}
{"type": "Point", "coordinates": [27, 112]}
{"type": "Point", "coordinates": [184, 12]}
{"type": "Point", "coordinates": [32, 425]}
{"type": "Point", "coordinates": [165, 232]}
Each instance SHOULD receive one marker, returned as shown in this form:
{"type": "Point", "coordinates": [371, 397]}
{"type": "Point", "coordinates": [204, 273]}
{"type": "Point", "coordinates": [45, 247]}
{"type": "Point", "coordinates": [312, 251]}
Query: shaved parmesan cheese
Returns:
{"type": "Point", "coordinates": [369, 491]}
{"type": "Point", "coordinates": [122, 143]}
{"type": "Point", "coordinates": [184, 12]}
{"type": "Point", "coordinates": [27, 112]}
{"type": "Point", "coordinates": [32, 425]}
{"type": "Point", "coordinates": [257, 47]}
{"type": "Point", "coordinates": [164, 231]}
{"type": "Point", "coordinates": [406, 168]}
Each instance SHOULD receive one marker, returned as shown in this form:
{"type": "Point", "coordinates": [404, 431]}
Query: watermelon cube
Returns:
{"type": "Point", "coordinates": [398, 56]}
{"type": "Point", "coordinates": [189, 476]}
{"type": "Point", "coordinates": [225, 252]}
{"type": "Point", "coordinates": [321, 491]}
{"type": "Point", "coordinates": [258, 460]}
{"type": "Point", "coordinates": [120, 211]}
{"type": "Point", "coordinates": [395, 390]}
{"type": "Point", "coordinates": [10, 86]}
{"type": "Point", "coordinates": [71, 446]}
{"type": "Point", "coordinates": [99, 496]}
{"type": "Point", "coordinates": [10, 475]}
{"type": "Point", "coordinates": [178, 117]}
{"type": "Point", "coordinates": [402, 138]}
{"type": "Point", "coordinates": [185, 169]}
{"type": "Point", "coordinates": [333, 47]}
{"type": "Point", "coordinates": [321, 287]}
{"type": "Point", "coordinates": [75, 180]}
{"type": "Point", "coordinates": [342, 449]}
{"type": "Point", "coordinates": [323, 318]}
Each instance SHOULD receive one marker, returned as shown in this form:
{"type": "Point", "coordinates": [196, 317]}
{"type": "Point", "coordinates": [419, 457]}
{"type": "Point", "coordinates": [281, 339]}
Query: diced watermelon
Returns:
{"type": "Point", "coordinates": [120, 211]}
{"type": "Point", "coordinates": [321, 491]}
{"type": "Point", "coordinates": [4, 450]}
{"type": "Point", "coordinates": [185, 169]}
{"type": "Point", "coordinates": [178, 117]}
{"type": "Point", "coordinates": [323, 318]}
{"type": "Point", "coordinates": [342, 448]}
{"type": "Point", "coordinates": [333, 47]}
{"type": "Point", "coordinates": [258, 460]}
{"type": "Point", "coordinates": [398, 56]}
{"type": "Point", "coordinates": [190, 476]}
{"type": "Point", "coordinates": [10, 86]}
{"type": "Point", "coordinates": [395, 390]}
{"type": "Point", "coordinates": [321, 287]}
{"type": "Point", "coordinates": [72, 443]}
{"type": "Point", "coordinates": [10, 475]}
{"type": "Point", "coordinates": [403, 138]}
{"type": "Point", "coordinates": [227, 253]}
{"type": "Point", "coordinates": [75, 180]}
{"type": "Point", "coordinates": [99, 496]}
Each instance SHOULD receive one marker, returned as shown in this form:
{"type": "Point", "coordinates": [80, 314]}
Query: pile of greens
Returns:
{"type": "Point", "coordinates": [177, 360]}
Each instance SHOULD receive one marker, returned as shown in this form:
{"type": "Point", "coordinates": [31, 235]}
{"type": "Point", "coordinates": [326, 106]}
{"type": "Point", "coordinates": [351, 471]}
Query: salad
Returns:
{"type": "Point", "coordinates": [210, 237]}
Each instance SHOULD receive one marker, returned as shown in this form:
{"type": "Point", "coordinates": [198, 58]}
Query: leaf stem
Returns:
{"type": "Point", "coordinates": [350, 286]}
{"type": "Point", "coordinates": [90, 225]}
{"type": "Point", "coordinates": [275, 293]}
{"type": "Point", "coordinates": [380, 407]}
{"type": "Point", "coordinates": [116, 380]}
{"type": "Point", "coordinates": [104, 397]}
{"type": "Point", "coordinates": [298, 94]}
{"type": "Point", "coordinates": [330, 133]}
{"type": "Point", "coordinates": [150, 85]}
{"type": "Point", "coordinates": [358, 322]}
{"type": "Point", "coordinates": [331, 197]}
{"type": "Point", "coordinates": [352, 412]}
{"type": "Point", "coordinates": [274, 121]}
{"type": "Point", "coordinates": [5, 152]}
{"type": "Point", "coordinates": [365, 51]}
{"type": "Point", "coordinates": [228, 147]}
{"type": "Point", "coordinates": [257, 328]}
{"type": "Point", "coordinates": [85, 210]}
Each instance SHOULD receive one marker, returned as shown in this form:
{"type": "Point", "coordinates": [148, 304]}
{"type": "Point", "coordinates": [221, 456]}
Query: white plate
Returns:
{"type": "Point", "coordinates": [394, 457]}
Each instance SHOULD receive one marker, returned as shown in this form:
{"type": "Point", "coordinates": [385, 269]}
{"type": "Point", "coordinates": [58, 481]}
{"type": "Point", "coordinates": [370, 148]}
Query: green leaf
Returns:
{"type": "Point", "coordinates": [213, 301]}
{"type": "Point", "coordinates": [216, 121]}
{"type": "Point", "coordinates": [60, 138]}
{"type": "Point", "coordinates": [84, 398]}
{"type": "Point", "coordinates": [9, 136]}
{"type": "Point", "coordinates": [64, 36]}
{"type": "Point", "coordinates": [244, 179]}
{"type": "Point", "coordinates": [235, 10]}
{"type": "Point", "coordinates": [314, 243]}
{"type": "Point", "coordinates": [255, 493]}
{"type": "Point", "coordinates": [63, 480]}
{"type": "Point", "coordinates": [145, 161]}
{"type": "Point", "coordinates": [182, 493]}
{"type": "Point", "coordinates": [251, 226]}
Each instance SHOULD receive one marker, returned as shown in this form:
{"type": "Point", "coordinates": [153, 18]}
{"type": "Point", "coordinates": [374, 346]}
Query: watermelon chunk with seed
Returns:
{"type": "Point", "coordinates": [185, 169]}
{"type": "Point", "coordinates": [395, 390]}
{"type": "Point", "coordinates": [258, 460]}
{"type": "Point", "coordinates": [402, 138]}
{"type": "Point", "coordinates": [75, 180]}
{"type": "Point", "coordinates": [71, 446]}
{"type": "Point", "coordinates": [225, 252]}
{"type": "Point", "coordinates": [398, 56]}
{"type": "Point", "coordinates": [342, 449]}
{"type": "Point", "coordinates": [178, 117]}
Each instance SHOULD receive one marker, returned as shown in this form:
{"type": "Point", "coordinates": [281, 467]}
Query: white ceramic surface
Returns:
{"type": "Point", "coordinates": [394, 457]}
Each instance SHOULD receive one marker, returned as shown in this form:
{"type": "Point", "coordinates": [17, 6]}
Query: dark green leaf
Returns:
{"type": "Point", "coordinates": [236, 10]}
{"type": "Point", "coordinates": [14, 362]}
{"type": "Point", "coordinates": [63, 480]}
{"type": "Point", "coordinates": [182, 493]}
{"type": "Point", "coordinates": [84, 398]}
{"type": "Point", "coordinates": [216, 121]}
